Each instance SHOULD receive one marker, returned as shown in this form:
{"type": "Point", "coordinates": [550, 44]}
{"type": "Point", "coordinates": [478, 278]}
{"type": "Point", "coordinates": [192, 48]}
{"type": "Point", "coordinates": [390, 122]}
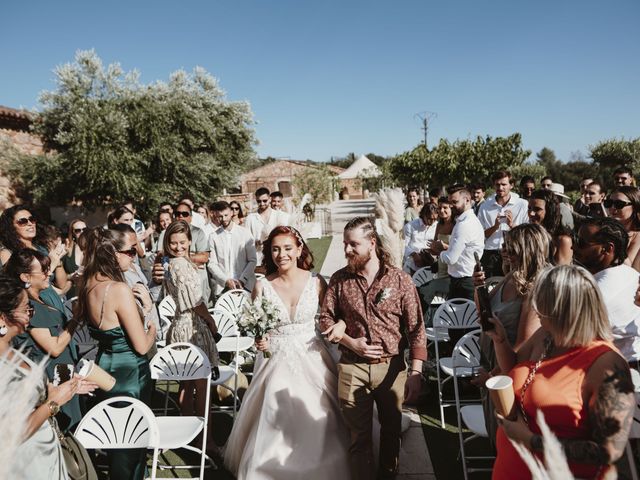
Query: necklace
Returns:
{"type": "Point", "coordinates": [548, 346]}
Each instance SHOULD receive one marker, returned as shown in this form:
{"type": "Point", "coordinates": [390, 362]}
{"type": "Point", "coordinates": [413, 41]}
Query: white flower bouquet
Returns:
{"type": "Point", "coordinates": [258, 318]}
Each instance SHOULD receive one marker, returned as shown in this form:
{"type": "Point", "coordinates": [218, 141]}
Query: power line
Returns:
{"type": "Point", "coordinates": [425, 121]}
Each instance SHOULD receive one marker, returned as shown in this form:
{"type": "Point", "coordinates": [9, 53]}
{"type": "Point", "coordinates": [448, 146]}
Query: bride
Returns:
{"type": "Point", "coordinates": [290, 425]}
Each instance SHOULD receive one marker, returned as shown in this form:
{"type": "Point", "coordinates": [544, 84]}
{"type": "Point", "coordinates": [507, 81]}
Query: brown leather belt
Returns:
{"type": "Point", "coordinates": [375, 361]}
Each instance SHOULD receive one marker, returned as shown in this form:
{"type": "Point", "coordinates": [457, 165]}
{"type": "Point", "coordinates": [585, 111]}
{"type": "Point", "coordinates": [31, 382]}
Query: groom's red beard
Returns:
{"type": "Point", "coordinates": [355, 262]}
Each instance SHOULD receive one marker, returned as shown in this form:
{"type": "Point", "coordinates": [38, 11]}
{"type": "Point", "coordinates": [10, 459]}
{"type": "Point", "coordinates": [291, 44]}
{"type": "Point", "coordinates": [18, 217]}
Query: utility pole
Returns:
{"type": "Point", "coordinates": [425, 119]}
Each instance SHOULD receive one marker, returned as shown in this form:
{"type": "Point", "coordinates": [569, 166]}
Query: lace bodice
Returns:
{"type": "Point", "coordinates": [305, 311]}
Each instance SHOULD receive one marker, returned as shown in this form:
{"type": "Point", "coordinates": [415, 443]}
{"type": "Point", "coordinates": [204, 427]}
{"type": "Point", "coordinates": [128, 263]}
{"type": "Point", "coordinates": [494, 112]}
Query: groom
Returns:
{"type": "Point", "coordinates": [377, 308]}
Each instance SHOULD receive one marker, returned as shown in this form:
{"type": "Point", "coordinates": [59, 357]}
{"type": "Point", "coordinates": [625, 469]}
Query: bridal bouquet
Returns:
{"type": "Point", "coordinates": [258, 318]}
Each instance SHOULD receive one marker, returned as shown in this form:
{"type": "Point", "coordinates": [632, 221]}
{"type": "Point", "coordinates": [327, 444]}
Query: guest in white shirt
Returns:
{"type": "Point", "coordinates": [498, 213]}
{"type": "Point", "coordinates": [602, 249]}
{"type": "Point", "coordinates": [232, 260]}
{"type": "Point", "coordinates": [418, 234]}
{"type": "Point", "coordinates": [466, 239]}
{"type": "Point", "coordinates": [197, 220]}
{"type": "Point", "coordinates": [209, 225]}
{"type": "Point", "coordinates": [277, 204]}
{"type": "Point", "coordinates": [261, 223]}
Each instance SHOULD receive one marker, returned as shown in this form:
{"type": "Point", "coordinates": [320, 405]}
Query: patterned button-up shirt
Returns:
{"type": "Point", "coordinates": [387, 313]}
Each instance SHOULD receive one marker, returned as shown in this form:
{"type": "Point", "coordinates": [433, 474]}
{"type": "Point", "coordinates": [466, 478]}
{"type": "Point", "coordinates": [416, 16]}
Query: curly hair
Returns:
{"type": "Point", "coordinates": [21, 260]}
{"type": "Point", "coordinates": [552, 217]}
{"type": "Point", "coordinates": [530, 244]}
{"type": "Point", "coordinates": [100, 259]}
{"type": "Point", "coordinates": [8, 234]}
{"type": "Point", "coordinates": [368, 226]}
{"type": "Point", "coordinates": [611, 231]}
{"type": "Point", "coordinates": [305, 261]}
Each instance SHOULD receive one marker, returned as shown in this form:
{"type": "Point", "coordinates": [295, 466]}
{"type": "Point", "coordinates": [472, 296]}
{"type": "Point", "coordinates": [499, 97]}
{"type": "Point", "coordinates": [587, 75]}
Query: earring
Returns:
{"type": "Point", "coordinates": [3, 330]}
{"type": "Point", "coordinates": [27, 285]}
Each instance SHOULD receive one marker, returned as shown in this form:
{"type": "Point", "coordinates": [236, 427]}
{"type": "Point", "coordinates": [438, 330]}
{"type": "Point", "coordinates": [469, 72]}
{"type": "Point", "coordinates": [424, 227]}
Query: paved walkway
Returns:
{"type": "Point", "coordinates": [415, 462]}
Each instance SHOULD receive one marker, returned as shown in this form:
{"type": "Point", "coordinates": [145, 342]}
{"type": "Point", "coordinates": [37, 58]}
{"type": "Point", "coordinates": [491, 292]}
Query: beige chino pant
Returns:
{"type": "Point", "coordinates": [359, 385]}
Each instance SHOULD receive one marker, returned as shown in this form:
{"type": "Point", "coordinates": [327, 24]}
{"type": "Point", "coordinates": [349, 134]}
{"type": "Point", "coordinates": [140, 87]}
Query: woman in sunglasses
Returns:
{"type": "Point", "coordinates": [50, 333]}
{"type": "Point", "coordinates": [37, 452]}
{"type": "Point", "coordinates": [20, 229]}
{"type": "Point", "coordinates": [623, 204]}
{"type": "Point", "coordinates": [109, 307]}
{"type": "Point", "coordinates": [237, 215]}
{"type": "Point", "coordinates": [123, 215]}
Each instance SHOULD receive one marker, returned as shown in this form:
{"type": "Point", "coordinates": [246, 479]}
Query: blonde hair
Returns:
{"type": "Point", "coordinates": [568, 297]}
{"type": "Point", "coordinates": [530, 244]}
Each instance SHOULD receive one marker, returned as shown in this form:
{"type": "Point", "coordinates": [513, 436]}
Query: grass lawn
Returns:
{"type": "Point", "coordinates": [319, 248]}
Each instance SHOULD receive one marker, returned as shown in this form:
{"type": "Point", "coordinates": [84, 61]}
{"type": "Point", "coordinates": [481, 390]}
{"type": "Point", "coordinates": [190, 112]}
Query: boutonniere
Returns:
{"type": "Point", "coordinates": [382, 296]}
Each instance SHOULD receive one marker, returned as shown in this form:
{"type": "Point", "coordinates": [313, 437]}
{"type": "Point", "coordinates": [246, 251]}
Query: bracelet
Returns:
{"type": "Point", "coordinates": [414, 370]}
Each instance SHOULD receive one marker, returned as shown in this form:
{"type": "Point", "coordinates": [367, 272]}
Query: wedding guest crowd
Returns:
{"type": "Point", "coordinates": [566, 327]}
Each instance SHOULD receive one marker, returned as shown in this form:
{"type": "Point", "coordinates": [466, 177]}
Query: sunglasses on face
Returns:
{"type": "Point", "coordinates": [182, 214]}
{"type": "Point", "coordinates": [235, 208]}
{"type": "Point", "coordinates": [26, 220]}
{"type": "Point", "coordinates": [30, 311]}
{"type": "Point", "coordinates": [129, 253]}
{"type": "Point", "coordinates": [617, 204]}
{"type": "Point", "coordinates": [78, 231]}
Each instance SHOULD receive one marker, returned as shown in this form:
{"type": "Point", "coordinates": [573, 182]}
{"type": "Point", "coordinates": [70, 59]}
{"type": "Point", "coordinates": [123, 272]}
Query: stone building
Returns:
{"type": "Point", "coordinates": [15, 131]}
{"type": "Point", "coordinates": [277, 175]}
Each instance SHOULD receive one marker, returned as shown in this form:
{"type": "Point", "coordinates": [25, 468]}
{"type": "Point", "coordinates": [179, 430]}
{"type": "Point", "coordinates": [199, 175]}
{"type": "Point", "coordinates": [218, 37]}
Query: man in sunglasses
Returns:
{"type": "Point", "coordinates": [199, 253]}
{"type": "Point", "coordinates": [197, 220]}
{"type": "Point", "coordinates": [261, 223]}
{"type": "Point", "coordinates": [601, 248]}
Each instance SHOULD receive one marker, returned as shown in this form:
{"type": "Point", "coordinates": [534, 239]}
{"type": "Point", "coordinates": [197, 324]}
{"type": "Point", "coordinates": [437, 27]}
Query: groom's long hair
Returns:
{"type": "Point", "coordinates": [368, 226]}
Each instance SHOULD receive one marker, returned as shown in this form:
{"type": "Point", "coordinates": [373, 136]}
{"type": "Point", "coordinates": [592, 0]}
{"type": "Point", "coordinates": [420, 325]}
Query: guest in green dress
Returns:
{"type": "Point", "coordinates": [36, 452]}
{"type": "Point", "coordinates": [73, 258]}
{"type": "Point", "coordinates": [50, 334]}
{"type": "Point", "coordinates": [108, 305]}
{"type": "Point", "coordinates": [19, 229]}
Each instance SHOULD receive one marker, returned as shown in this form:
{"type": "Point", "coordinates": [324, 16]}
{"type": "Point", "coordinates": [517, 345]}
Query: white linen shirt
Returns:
{"type": "Point", "coordinates": [618, 287]}
{"type": "Point", "coordinates": [466, 239]}
{"type": "Point", "coordinates": [260, 229]}
{"type": "Point", "coordinates": [416, 235]}
{"type": "Point", "coordinates": [490, 209]}
{"type": "Point", "coordinates": [233, 255]}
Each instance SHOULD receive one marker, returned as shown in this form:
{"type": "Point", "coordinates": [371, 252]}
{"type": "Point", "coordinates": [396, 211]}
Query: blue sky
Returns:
{"type": "Point", "coordinates": [326, 78]}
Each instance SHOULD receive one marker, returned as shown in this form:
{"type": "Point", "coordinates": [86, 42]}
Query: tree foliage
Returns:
{"type": "Point", "coordinates": [318, 182]}
{"type": "Point", "coordinates": [117, 138]}
{"type": "Point", "coordinates": [612, 153]}
{"type": "Point", "coordinates": [459, 161]}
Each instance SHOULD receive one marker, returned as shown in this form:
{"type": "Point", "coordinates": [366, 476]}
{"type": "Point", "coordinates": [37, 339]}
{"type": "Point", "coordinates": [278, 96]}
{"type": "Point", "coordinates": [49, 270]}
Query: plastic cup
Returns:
{"type": "Point", "coordinates": [95, 374]}
{"type": "Point", "coordinates": [501, 393]}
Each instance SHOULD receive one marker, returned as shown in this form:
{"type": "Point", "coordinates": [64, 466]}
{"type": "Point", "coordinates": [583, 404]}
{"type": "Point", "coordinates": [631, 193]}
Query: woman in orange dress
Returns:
{"type": "Point", "coordinates": [571, 372]}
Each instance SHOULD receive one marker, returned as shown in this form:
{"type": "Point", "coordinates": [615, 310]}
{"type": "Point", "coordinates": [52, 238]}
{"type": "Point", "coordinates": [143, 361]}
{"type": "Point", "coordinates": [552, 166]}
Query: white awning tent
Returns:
{"type": "Point", "coordinates": [361, 168]}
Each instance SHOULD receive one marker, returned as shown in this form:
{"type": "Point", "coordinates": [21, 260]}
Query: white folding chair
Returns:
{"type": "Point", "coordinates": [69, 304]}
{"type": "Point", "coordinates": [87, 346]}
{"type": "Point", "coordinates": [231, 342]}
{"type": "Point", "coordinates": [464, 360]}
{"type": "Point", "coordinates": [166, 312]}
{"type": "Point", "coordinates": [233, 302]}
{"type": "Point", "coordinates": [455, 313]}
{"type": "Point", "coordinates": [130, 424]}
{"type": "Point", "coordinates": [422, 276]}
{"type": "Point", "coordinates": [181, 362]}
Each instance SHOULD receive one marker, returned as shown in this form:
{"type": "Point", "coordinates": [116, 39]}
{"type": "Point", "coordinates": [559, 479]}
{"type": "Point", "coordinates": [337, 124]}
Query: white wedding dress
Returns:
{"type": "Point", "coordinates": [290, 425]}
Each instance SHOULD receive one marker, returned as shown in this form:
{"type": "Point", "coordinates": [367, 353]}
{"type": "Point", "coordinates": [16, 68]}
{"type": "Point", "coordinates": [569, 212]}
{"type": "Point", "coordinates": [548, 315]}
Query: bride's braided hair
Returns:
{"type": "Point", "coordinates": [305, 261]}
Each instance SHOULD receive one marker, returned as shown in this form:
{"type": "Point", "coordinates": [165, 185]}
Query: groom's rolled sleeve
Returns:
{"type": "Point", "coordinates": [412, 319]}
{"type": "Point", "coordinates": [328, 313]}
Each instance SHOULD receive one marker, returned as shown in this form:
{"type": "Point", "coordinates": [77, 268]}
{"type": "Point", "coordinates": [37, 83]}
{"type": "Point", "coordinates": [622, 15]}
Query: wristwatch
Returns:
{"type": "Point", "coordinates": [54, 408]}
